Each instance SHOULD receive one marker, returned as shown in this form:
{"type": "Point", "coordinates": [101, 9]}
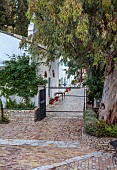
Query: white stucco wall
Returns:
{"type": "Point", "coordinates": [63, 75]}
{"type": "Point", "coordinates": [54, 79]}
{"type": "Point", "coordinates": [9, 45]}
{"type": "Point", "coordinates": [54, 76]}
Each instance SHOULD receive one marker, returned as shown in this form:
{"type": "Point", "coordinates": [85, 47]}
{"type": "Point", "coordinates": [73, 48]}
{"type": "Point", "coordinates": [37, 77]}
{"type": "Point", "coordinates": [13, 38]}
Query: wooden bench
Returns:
{"type": "Point", "coordinates": [60, 93]}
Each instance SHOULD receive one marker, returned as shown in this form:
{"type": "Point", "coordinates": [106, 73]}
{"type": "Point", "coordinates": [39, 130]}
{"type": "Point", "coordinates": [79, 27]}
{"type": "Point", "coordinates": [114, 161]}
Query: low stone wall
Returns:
{"type": "Point", "coordinates": [99, 143]}
{"type": "Point", "coordinates": [22, 116]}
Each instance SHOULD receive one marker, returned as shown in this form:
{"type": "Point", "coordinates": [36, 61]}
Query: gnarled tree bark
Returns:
{"type": "Point", "coordinates": [108, 106]}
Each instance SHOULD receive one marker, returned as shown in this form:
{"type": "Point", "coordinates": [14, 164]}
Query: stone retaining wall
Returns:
{"type": "Point", "coordinates": [22, 116]}
{"type": "Point", "coordinates": [99, 143]}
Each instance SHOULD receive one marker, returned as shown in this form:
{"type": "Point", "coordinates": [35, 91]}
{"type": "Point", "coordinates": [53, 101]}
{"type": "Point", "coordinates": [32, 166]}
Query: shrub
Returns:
{"type": "Point", "coordinates": [12, 104]}
{"type": "Point", "coordinates": [89, 113]}
{"type": "Point", "coordinates": [18, 77]}
{"type": "Point", "coordinates": [96, 127]}
{"type": "Point", "coordinates": [111, 131]}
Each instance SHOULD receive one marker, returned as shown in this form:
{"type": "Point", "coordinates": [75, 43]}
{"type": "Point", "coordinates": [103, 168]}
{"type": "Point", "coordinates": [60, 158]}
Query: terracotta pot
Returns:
{"type": "Point", "coordinates": [51, 101]}
{"type": "Point", "coordinates": [67, 89]}
{"type": "Point", "coordinates": [57, 98]}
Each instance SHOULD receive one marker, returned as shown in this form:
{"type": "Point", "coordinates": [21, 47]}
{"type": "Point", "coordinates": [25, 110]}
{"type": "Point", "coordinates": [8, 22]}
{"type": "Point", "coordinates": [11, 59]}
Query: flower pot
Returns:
{"type": "Point", "coordinates": [67, 89]}
{"type": "Point", "coordinates": [51, 101]}
{"type": "Point", "coordinates": [57, 98]}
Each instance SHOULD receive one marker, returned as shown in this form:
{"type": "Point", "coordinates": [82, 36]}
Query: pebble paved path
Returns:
{"type": "Point", "coordinates": [53, 143]}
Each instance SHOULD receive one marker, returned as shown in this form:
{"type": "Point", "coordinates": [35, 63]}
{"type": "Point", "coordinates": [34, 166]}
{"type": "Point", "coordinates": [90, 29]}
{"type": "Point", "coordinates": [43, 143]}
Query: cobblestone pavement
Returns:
{"type": "Point", "coordinates": [92, 161]}
{"type": "Point", "coordinates": [53, 141]}
{"type": "Point", "coordinates": [28, 157]}
{"type": "Point", "coordinates": [47, 129]}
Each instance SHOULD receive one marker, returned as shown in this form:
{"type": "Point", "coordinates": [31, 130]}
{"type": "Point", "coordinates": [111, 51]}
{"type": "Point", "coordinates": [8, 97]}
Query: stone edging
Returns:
{"type": "Point", "coordinates": [59, 144]}
{"type": "Point", "coordinates": [66, 162]}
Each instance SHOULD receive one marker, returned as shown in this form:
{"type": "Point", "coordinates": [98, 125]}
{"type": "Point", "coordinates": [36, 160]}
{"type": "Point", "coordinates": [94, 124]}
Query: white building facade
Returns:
{"type": "Point", "coordinates": [9, 46]}
{"type": "Point", "coordinates": [55, 73]}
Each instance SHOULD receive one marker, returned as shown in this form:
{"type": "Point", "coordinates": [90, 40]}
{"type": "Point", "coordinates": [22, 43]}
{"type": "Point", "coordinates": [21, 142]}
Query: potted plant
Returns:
{"type": "Point", "coordinates": [67, 89]}
{"type": "Point", "coordinates": [56, 98]}
{"type": "Point", "coordinates": [51, 101]}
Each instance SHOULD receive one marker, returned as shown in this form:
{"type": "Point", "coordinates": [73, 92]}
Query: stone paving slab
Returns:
{"type": "Point", "coordinates": [60, 144]}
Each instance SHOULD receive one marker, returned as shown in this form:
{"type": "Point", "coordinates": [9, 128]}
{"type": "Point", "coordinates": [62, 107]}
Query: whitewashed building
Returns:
{"type": "Point", "coordinates": [55, 73]}
{"type": "Point", "coordinates": [9, 46]}
{"type": "Point", "coordinates": [63, 76]}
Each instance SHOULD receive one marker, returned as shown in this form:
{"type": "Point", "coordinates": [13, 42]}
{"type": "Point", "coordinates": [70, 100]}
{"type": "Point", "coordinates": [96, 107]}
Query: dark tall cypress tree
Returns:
{"type": "Point", "coordinates": [2, 15]}
{"type": "Point", "coordinates": [13, 16]}
{"type": "Point", "coordinates": [7, 14]}
{"type": "Point", "coordinates": [10, 12]}
{"type": "Point", "coordinates": [21, 19]}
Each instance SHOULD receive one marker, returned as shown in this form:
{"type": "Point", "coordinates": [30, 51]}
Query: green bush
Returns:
{"type": "Point", "coordinates": [89, 113]}
{"type": "Point", "coordinates": [18, 77]}
{"type": "Point", "coordinates": [96, 127]}
{"type": "Point", "coordinates": [111, 131]}
{"type": "Point", "coordinates": [12, 104]}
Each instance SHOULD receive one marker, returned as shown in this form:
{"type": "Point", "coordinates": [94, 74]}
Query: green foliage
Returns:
{"type": "Point", "coordinates": [89, 113]}
{"type": "Point", "coordinates": [2, 14]}
{"type": "Point", "coordinates": [95, 87]}
{"type": "Point", "coordinates": [75, 30]}
{"type": "Point", "coordinates": [12, 104]}
{"type": "Point", "coordinates": [18, 77]}
{"type": "Point", "coordinates": [13, 16]}
{"type": "Point", "coordinates": [74, 82]}
{"type": "Point", "coordinates": [96, 127]}
{"type": "Point", "coordinates": [21, 25]}
{"type": "Point", "coordinates": [95, 82]}
{"type": "Point", "coordinates": [90, 122]}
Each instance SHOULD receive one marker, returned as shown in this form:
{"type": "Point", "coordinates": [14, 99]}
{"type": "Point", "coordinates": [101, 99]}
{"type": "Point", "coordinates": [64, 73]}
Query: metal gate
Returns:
{"type": "Point", "coordinates": [66, 94]}
{"type": "Point", "coordinates": [42, 104]}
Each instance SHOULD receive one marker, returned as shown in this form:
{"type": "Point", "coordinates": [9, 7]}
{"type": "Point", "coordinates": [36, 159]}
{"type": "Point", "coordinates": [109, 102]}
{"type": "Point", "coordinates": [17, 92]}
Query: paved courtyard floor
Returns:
{"type": "Point", "coordinates": [53, 143]}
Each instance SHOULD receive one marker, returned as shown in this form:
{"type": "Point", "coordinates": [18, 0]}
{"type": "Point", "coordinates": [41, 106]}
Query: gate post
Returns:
{"type": "Point", "coordinates": [41, 113]}
{"type": "Point", "coordinates": [85, 98]}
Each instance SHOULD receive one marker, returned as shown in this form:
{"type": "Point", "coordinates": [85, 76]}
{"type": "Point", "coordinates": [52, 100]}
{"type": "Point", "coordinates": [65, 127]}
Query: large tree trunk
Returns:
{"type": "Point", "coordinates": [108, 106]}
